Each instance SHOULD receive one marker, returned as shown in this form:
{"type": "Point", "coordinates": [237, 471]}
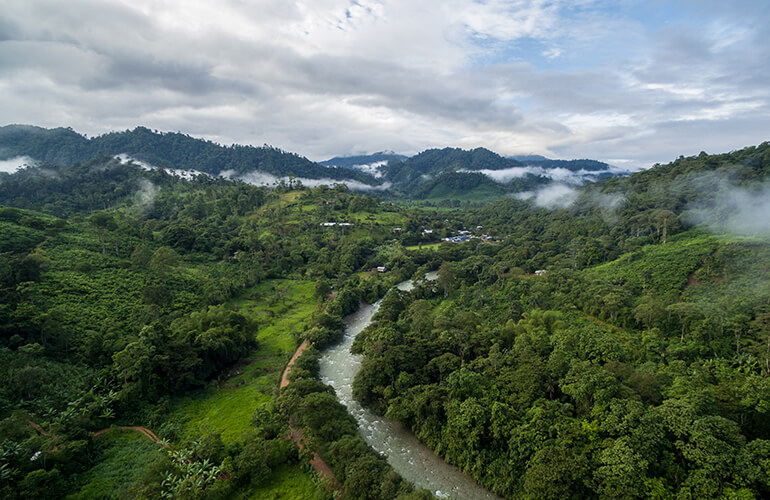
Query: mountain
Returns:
{"type": "Point", "coordinates": [592, 166]}
{"type": "Point", "coordinates": [483, 174]}
{"type": "Point", "coordinates": [449, 173]}
{"type": "Point", "coordinates": [172, 150]}
{"type": "Point", "coordinates": [369, 164]}
{"type": "Point", "coordinates": [613, 345]}
{"type": "Point", "coordinates": [363, 160]}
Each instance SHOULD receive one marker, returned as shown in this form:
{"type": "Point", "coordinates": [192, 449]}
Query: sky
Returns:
{"type": "Point", "coordinates": [628, 82]}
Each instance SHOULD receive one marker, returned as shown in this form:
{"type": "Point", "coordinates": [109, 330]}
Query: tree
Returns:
{"type": "Point", "coordinates": [447, 277]}
{"type": "Point", "coordinates": [663, 221]}
{"type": "Point", "coordinates": [102, 220]}
{"type": "Point", "coordinates": [43, 484]}
{"type": "Point", "coordinates": [163, 260]}
{"type": "Point", "coordinates": [622, 473]}
{"type": "Point", "coordinates": [557, 471]}
{"type": "Point", "coordinates": [686, 312]}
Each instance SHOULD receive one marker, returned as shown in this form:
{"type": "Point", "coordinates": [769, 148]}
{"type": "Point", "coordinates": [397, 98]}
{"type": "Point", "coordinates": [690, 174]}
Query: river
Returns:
{"type": "Point", "coordinates": [413, 460]}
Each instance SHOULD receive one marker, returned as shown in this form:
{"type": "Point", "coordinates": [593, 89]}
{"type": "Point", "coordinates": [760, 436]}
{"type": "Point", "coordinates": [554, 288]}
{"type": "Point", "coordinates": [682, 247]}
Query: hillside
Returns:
{"type": "Point", "coordinates": [170, 304]}
{"type": "Point", "coordinates": [540, 362]}
{"type": "Point", "coordinates": [435, 174]}
{"type": "Point", "coordinates": [62, 147]}
{"type": "Point", "coordinates": [613, 347]}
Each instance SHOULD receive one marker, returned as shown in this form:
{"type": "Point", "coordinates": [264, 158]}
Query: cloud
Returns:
{"type": "Point", "coordinates": [13, 164]}
{"type": "Point", "coordinates": [559, 174]}
{"type": "Point", "coordinates": [147, 193]}
{"type": "Point", "coordinates": [373, 169]}
{"type": "Point", "coordinates": [606, 80]}
{"type": "Point", "coordinates": [188, 174]}
{"type": "Point", "coordinates": [258, 178]}
{"type": "Point", "coordinates": [552, 196]}
{"type": "Point", "coordinates": [726, 208]}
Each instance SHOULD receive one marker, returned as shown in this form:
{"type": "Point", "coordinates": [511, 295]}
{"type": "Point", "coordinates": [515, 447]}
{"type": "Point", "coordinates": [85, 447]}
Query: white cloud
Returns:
{"type": "Point", "coordinates": [552, 196]}
{"type": "Point", "coordinates": [559, 174]}
{"type": "Point", "coordinates": [13, 164]}
{"type": "Point", "coordinates": [258, 178]}
{"type": "Point", "coordinates": [147, 192]}
{"type": "Point", "coordinates": [725, 208]}
{"type": "Point", "coordinates": [178, 172]}
{"type": "Point", "coordinates": [373, 169]}
{"type": "Point", "coordinates": [330, 77]}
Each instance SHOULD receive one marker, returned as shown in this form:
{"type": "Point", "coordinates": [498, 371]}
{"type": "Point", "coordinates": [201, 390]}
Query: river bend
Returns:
{"type": "Point", "coordinates": [413, 460]}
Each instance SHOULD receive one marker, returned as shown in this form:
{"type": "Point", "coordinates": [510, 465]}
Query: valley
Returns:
{"type": "Point", "coordinates": [610, 340]}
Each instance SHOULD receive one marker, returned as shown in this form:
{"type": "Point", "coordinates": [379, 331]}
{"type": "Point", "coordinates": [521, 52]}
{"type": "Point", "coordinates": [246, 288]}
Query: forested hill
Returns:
{"type": "Point", "coordinates": [138, 298]}
{"type": "Point", "coordinates": [63, 146]}
{"type": "Point", "coordinates": [358, 161]}
{"type": "Point", "coordinates": [605, 341]}
{"type": "Point", "coordinates": [453, 173]}
{"type": "Point", "coordinates": [434, 174]}
{"type": "Point", "coordinates": [615, 347]}
{"type": "Point", "coordinates": [573, 165]}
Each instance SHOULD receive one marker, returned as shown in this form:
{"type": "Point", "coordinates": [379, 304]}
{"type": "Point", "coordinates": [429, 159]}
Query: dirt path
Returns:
{"type": "Point", "coordinates": [39, 429]}
{"type": "Point", "coordinates": [318, 464]}
{"type": "Point", "coordinates": [285, 377]}
{"type": "Point", "coordinates": [144, 430]}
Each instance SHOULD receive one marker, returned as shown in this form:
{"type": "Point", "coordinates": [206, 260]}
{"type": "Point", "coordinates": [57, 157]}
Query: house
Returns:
{"type": "Point", "coordinates": [328, 224]}
{"type": "Point", "coordinates": [457, 239]}
{"type": "Point", "coordinates": [381, 269]}
{"type": "Point", "coordinates": [540, 272]}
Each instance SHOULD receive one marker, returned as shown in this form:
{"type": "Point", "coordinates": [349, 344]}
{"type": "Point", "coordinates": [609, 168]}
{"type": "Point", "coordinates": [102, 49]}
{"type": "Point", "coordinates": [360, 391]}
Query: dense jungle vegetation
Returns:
{"type": "Point", "coordinates": [133, 297]}
{"type": "Point", "coordinates": [636, 365]}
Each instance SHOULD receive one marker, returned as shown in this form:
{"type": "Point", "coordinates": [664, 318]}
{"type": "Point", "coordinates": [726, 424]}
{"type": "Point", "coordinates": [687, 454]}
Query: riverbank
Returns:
{"type": "Point", "coordinates": [404, 452]}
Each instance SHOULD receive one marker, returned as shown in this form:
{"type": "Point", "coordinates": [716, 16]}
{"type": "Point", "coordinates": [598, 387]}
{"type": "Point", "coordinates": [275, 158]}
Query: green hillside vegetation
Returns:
{"type": "Point", "coordinates": [636, 365]}
{"type": "Point", "coordinates": [148, 300]}
{"type": "Point", "coordinates": [618, 347]}
{"type": "Point", "coordinates": [64, 147]}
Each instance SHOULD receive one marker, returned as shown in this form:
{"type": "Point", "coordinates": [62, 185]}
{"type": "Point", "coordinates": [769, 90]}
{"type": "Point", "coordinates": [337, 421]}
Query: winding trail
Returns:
{"type": "Point", "coordinates": [318, 464]}
{"type": "Point", "coordinates": [285, 377]}
{"type": "Point", "coordinates": [143, 430]}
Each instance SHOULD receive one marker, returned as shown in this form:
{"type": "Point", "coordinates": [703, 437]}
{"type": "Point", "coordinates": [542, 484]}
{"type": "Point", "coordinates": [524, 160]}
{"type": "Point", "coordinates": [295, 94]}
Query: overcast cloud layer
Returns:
{"type": "Point", "coordinates": [627, 82]}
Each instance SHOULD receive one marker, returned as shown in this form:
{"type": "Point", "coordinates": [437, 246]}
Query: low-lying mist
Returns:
{"type": "Point", "coordinates": [727, 208]}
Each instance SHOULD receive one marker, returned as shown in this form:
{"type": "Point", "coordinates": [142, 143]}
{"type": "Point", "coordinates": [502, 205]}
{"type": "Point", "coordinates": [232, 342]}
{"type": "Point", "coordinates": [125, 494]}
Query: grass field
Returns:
{"type": "Point", "coordinates": [425, 246]}
{"type": "Point", "coordinates": [287, 483]}
{"type": "Point", "coordinates": [663, 267]}
{"type": "Point", "coordinates": [280, 307]}
{"type": "Point", "coordinates": [124, 458]}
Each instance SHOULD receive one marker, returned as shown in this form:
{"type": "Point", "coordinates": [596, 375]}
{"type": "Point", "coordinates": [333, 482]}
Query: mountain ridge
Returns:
{"type": "Point", "coordinates": [436, 173]}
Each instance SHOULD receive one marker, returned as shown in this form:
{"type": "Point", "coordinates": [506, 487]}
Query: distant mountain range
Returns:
{"type": "Point", "coordinates": [431, 174]}
{"type": "Point", "coordinates": [481, 173]}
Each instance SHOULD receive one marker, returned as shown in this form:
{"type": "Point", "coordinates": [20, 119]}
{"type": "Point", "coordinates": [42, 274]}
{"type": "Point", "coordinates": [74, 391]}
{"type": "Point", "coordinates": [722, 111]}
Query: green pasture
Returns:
{"type": "Point", "coordinates": [279, 308]}
{"type": "Point", "coordinates": [425, 246]}
{"type": "Point", "coordinates": [123, 458]}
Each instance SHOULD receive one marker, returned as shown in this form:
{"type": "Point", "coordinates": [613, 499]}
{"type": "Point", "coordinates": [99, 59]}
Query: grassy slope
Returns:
{"type": "Point", "coordinates": [281, 307]}
{"type": "Point", "coordinates": [661, 267]}
{"type": "Point", "coordinates": [286, 483]}
{"type": "Point", "coordinates": [124, 458]}
{"type": "Point", "coordinates": [425, 246]}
